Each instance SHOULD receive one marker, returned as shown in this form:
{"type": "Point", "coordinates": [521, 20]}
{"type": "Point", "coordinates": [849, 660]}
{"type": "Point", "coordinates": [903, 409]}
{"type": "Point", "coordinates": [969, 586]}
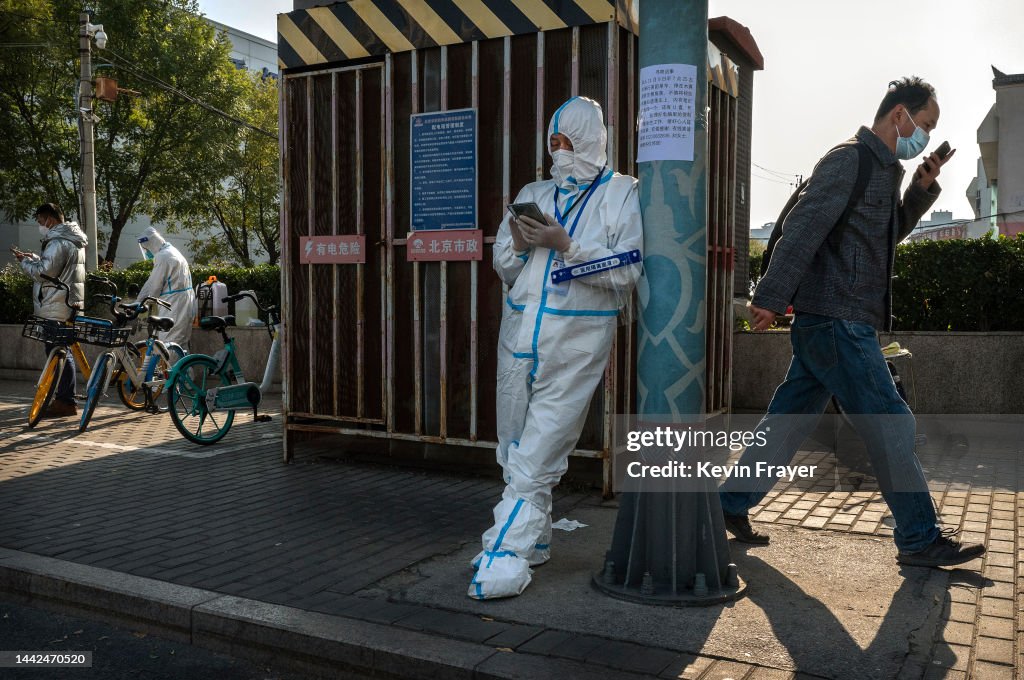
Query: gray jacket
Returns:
{"type": "Point", "coordinates": [63, 258]}
{"type": "Point", "coordinates": [844, 272]}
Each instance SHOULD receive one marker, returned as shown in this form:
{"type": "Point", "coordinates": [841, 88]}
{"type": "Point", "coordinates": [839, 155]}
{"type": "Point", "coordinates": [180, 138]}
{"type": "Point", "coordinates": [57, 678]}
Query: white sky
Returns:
{"type": "Point", "coordinates": [827, 65]}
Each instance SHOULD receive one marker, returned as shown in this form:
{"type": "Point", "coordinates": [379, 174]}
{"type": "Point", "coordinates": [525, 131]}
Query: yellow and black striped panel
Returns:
{"type": "Point", "coordinates": [363, 28]}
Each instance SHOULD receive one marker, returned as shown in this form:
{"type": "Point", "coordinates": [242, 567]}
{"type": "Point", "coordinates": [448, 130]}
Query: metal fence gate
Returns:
{"type": "Point", "coordinates": [406, 351]}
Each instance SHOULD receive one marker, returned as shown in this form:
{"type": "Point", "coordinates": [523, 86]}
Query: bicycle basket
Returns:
{"type": "Point", "coordinates": [100, 332]}
{"type": "Point", "coordinates": [48, 330]}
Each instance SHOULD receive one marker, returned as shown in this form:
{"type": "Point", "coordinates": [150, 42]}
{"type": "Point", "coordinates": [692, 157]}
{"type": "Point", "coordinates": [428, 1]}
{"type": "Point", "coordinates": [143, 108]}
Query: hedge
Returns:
{"type": "Point", "coordinates": [957, 285]}
{"type": "Point", "coordinates": [16, 286]}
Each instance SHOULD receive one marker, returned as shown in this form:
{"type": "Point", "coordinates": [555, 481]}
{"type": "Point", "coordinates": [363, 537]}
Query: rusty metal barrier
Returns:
{"type": "Point", "coordinates": [406, 351]}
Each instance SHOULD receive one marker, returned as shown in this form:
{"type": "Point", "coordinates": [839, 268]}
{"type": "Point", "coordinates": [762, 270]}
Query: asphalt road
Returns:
{"type": "Point", "coordinates": [117, 653]}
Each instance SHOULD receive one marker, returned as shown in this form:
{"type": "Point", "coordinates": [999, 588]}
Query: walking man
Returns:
{"type": "Point", "coordinates": [834, 266]}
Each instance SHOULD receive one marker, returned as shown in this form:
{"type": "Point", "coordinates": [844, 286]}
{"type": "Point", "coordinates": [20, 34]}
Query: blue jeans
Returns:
{"type": "Point", "coordinates": [843, 358]}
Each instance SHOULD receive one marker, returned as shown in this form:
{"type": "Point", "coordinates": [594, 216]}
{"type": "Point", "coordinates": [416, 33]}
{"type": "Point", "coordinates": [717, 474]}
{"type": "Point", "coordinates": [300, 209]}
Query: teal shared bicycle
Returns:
{"type": "Point", "coordinates": [203, 392]}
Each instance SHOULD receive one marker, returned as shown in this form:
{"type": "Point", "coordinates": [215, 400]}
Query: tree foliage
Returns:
{"type": "Point", "coordinates": [244, 205]}
{"type": "Point", "coordinates": [148, 147]}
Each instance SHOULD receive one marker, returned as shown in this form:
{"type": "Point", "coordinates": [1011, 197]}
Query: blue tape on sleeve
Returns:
{"type": "Point", "coordinates": [595, 266]}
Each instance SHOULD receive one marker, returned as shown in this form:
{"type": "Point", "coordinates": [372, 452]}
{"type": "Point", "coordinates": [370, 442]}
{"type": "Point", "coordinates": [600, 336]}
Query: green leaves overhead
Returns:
{"type": "Point", "coordinates": [154, 151]}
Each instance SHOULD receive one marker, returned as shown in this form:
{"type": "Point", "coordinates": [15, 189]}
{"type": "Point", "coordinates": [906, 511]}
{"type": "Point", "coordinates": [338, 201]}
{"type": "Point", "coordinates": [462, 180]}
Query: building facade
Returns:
{"type": "Point", "coordinates": [942, 227]}
{"type": "Point", "coordinates": [999, 187]}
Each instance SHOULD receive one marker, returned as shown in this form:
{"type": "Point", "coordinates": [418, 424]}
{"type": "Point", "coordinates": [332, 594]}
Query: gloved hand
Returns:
{"type": "Point", "coordinates": [550, 235]}
{"type": "Point", "coordinates": [518, 240]}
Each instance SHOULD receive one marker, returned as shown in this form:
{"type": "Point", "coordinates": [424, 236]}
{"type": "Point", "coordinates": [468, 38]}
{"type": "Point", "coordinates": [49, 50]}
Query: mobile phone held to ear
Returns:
{"type": "Point", "coordinates": [943, 150]}
{"type": "Point", "coordinates": [531, 210]}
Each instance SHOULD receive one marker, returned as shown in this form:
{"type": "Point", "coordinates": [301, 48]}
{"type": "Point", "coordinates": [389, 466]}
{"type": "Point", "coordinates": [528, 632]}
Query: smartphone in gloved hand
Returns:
{"type": "Point", "coordinates": [531, 210]}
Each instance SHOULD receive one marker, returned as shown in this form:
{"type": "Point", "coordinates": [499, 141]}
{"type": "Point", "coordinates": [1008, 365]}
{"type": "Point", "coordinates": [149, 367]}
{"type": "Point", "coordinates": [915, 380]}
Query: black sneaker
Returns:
{"type": "Point", "coordinates": [739, 526]}
{"type": "Point", "coordinates": [945, 551]}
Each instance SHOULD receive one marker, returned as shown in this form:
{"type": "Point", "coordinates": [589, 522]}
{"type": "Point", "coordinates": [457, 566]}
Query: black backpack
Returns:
{"type": "Point", "coordinates": [863, 175]}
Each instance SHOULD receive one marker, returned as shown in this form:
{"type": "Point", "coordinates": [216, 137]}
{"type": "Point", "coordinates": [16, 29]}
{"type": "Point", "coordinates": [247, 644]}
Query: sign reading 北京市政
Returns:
{"type": "Point", "coordinates": [443, 182]}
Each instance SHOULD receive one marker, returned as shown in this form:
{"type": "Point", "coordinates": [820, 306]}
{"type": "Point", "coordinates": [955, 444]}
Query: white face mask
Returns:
{"type": "Point", "coordinates": [563, 164]}
{"type": "Point", "coordinates": [43, 230]}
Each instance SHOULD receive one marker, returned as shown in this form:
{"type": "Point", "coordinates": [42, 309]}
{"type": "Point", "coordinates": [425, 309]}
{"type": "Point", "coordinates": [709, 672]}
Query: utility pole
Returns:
{"type": "Point", "coordinates": [669, 545]}
{"type": "Point", "coordinates": [88, 156]}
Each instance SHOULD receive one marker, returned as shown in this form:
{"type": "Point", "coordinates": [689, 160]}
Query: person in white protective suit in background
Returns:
{"type": "Point", "coordinates": [555, 339]}
{"type": "Point", "coordinates": [171, 281]}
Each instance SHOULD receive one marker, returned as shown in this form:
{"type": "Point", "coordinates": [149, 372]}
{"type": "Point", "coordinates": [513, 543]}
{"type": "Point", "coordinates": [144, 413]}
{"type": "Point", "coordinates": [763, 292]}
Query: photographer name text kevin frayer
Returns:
{"type": "Point", "coordinates": [679, 470]}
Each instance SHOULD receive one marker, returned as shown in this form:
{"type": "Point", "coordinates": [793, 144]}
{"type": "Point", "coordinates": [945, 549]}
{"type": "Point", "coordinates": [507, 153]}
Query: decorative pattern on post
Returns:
{"type": "Point", "coordinates": [670, 547]}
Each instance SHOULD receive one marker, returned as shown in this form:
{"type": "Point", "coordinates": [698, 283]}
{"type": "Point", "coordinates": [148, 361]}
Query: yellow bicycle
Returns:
{"type": "Point", "coordinates": [60, 336]}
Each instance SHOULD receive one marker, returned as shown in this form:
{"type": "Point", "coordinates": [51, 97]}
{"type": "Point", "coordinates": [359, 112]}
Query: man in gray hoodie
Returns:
{"type": "Point", "coordinates": [63, 257]}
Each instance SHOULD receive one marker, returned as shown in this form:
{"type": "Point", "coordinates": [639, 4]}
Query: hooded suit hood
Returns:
{"type": "Point", "coordinates": [582, 121]}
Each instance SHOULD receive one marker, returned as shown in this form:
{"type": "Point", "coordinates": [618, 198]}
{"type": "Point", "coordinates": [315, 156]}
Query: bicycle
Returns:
{"type": "Point", "coordinates": [61, 335]}
{"type": "Point", "coordinates": [135, 385]}
{"type": "Point", "coordinates": [124, 365]}
{"type": "Point", "coordinates": [201, 386]}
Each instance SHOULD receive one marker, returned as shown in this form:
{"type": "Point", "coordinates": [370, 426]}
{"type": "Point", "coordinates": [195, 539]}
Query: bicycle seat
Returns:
{"type": "Point", "coordinates": [216, 323]}
{"type": "Point", "coordinates": [161, 322]}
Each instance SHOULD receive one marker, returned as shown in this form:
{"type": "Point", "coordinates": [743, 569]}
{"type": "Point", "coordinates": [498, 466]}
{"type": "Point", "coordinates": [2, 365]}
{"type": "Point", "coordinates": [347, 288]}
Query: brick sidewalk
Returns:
{"type": "Point", "coordinates": [131, 495]}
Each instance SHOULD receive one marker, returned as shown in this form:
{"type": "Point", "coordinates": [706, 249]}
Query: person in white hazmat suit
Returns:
{"type": "Point", "coordinates": [170, 281]}
{"type": "Point", "coordinates": [555, 339]}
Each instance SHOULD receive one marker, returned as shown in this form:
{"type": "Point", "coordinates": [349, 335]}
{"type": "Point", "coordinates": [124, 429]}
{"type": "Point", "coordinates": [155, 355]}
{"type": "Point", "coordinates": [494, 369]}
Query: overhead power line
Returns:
{"type": "Point", "coordinates": [141, 73]}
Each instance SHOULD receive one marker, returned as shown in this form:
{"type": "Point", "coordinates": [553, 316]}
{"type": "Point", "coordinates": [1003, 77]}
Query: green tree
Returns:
{"type": "Point", "coordinates": [37, 93]}
{"type": "Point", "coordinates": [244, 205]}
{"type": "Point", "coordinates": [148, 146]}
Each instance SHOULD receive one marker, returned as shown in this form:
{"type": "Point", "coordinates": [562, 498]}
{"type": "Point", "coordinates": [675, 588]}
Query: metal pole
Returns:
{"type": "Point", "coordinates": [670, 547]}
{"type": "Point", "coordinates": [88, 207]}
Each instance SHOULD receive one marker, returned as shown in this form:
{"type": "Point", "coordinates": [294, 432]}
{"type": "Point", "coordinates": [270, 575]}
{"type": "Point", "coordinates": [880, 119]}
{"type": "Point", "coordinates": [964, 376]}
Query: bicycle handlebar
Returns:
{"type": "Point", "coordinates": [272, 309]}
{"type": "Point", "coordinates": [67, 291]}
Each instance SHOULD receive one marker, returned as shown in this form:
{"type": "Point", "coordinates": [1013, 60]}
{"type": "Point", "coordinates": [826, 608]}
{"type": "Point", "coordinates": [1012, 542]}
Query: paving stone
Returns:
{"type": "Point", "coordinates": [995, 650]}
{"type": "Point", "coordinates": [1003, 574]}
{"type": "Point", "coordinates": [939, 673]}
{"type": "Point", "coordinates": [687, 667]}
{"type": "Point", "coordinates": [814, 522]}
{"type": "Point", "coordinates": [965, 595]}
{"type": "Point", "coordinates": [763, 673]}
{"type": "Point", "coordinates": [964, 613]}
{"type": "Point", "coordinates": [994, 607]}
{"type": "Point", "coordinates": [726, 670]}
{"type": "Point", "coordinates": [514, 636]}
{"type": "Point", "coordinates": [990, 626]}
{"type": "Point", "coordinates": [989, 671]}
{"type": "Point", "coordinates": [546, 643]}
{"type": "Point", "coordinates": [952, 656]}
{"type": "Point", "coordinates": [999, 559]}
{"type": "Point", "coordinates": [452, 624]}
{"type": "Point", "coordinates": [629, 656]}
{"type": "Point", "coordinates": [959, 633]}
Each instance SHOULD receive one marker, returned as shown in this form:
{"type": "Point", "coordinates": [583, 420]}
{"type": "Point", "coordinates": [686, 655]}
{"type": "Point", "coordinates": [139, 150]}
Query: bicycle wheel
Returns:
{"type": "Point", "coordinates": [134, 396]}
{"type": "Point", "coordinates": [47, 385]}
{"type": "Point", "coordinates": [174, 354]}
{"type": "Point", "coordinates": [95, 389]}
{"type": "Point", "coordinates": [186, 400]}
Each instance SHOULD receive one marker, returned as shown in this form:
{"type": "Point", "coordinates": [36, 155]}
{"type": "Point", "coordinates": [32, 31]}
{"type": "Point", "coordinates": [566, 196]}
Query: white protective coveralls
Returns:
{"type": "Point", "coordinates": [171, 281]}
{"type": "Point", "coordinates": [554, 343]}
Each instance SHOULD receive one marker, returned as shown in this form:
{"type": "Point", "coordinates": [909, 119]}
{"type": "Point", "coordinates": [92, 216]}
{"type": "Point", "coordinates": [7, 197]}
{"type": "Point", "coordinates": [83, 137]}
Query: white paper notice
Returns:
{"type": "Point", "coordinates": [668, 94]}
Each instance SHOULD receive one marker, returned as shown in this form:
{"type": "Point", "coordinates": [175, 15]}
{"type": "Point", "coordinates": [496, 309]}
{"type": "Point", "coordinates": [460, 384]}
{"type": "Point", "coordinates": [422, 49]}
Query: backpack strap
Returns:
{"type": "Point", "coordinates": [860, 185]}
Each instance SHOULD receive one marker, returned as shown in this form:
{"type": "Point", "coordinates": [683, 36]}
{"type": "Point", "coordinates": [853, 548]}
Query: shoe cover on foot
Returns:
{"type": "Point", "coordinates": [500, 574]}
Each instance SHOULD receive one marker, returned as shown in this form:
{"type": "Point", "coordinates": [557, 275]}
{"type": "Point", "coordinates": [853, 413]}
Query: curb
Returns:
{"type": "Point", "coordinates": [288, 638]}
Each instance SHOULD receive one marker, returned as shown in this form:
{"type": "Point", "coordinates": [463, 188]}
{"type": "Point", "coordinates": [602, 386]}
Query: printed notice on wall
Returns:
{"type": "Point", "coordinates": [443, 172]}
{"type": "Point", "coordinates": [668, 100]}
